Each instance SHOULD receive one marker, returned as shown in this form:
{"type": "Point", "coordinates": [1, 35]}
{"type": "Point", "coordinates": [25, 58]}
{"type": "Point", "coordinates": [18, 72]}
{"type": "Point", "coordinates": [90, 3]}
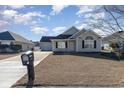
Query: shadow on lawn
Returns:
{"type": "Point", "coordinates": [100, 55]}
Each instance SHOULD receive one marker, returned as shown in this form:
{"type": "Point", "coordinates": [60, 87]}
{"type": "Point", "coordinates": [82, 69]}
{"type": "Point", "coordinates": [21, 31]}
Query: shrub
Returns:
{"type": "Point", "coordinates": [16, 48]}
{"type": "Point", "coordinates": [114, 45]}
{"type": "Point", "coordinates": [4, 46]}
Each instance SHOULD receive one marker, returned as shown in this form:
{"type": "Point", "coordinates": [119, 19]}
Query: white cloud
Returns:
{"type": "Point", "coordinates": [100, 32]}
{"type": "Point", "coordinates": [27, 17]}
{"type": "Point", "coordinates": [16, 6]}
{"type": "Point", "coordinates": [3, 23]}
{"type": "Point", "coordinates": [85, 8]}
{"type": "Point", "coordinates": [81, 26]}
{"type": "Point", "coordinates": [8, 13]}
{"type": "Point", "coordinates": [95, 15]}
{"type": "Point", "coordinates": [39, 30]}
{"type": "Point", "coordinates": [58, 30]}
{"type": "Point", "coordinates": [56, 9]}
{"type": "Point", "coordinates": [77, 22]}
{"type": "Point", "coordinates": [21, 18]}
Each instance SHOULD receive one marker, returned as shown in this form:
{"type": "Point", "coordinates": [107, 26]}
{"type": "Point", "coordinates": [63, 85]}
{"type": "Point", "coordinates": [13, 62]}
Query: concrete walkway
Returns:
{"type": "Point", "coordinates": [11, 69]}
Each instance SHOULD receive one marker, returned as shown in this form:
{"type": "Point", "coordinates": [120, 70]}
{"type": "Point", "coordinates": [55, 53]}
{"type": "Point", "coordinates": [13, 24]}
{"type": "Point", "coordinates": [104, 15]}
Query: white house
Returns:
{"type": "Point", "coordinates": [73, 40]}
{"type": "Point", "coordinates": [8, 38]}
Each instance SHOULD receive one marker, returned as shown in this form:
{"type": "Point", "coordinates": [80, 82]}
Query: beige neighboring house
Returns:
{"type": "Point", "coordinates": [73, 40]}
{"type": "Point", "coordinates": [117, 37]}
{"type": "Point", "coordinates": [8, 38]}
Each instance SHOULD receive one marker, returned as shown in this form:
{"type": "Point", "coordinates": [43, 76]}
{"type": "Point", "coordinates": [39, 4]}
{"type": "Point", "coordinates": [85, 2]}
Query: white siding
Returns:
{"type": "Point", "coordinates": [82, 37]}
{"type": "Point", "coordinates": [70, 48]}
{"type": "Point", "coordinates": [76, 45]}
{"type": "Point", "coordinates": [26, 47]}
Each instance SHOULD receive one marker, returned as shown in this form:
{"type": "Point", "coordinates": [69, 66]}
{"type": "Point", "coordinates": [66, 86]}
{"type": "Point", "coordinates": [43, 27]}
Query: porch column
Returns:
{"type": "Point", "coordinates": [53, 45]}
{"type": "Point", "coordinates": [76, 45]}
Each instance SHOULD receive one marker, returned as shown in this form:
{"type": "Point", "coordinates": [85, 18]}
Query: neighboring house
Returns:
{"type": "Point", "coordinates": [73, 40]}
{"type": "Point", "coordinates": [117, 37]}
{"type": "Point", "coordinates": [8, 38]}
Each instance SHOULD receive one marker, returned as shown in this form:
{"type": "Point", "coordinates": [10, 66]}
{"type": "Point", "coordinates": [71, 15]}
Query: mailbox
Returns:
{"type": "Point", "coordinates": [27, 58]}
{"type": "Point", "coordinates": [30, 55]}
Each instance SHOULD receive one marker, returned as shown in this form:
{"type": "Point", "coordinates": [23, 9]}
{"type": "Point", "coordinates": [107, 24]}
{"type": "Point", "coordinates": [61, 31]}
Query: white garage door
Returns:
{"type": "Point", "coordinates": [46, 46]}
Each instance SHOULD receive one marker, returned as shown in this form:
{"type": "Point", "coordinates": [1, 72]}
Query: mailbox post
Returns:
{"type": "Point", "coordinates": [28, 60]}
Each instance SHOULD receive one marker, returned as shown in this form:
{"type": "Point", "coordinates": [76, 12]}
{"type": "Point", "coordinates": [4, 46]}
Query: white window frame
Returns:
{"type": "Point", "coordinates": [89, 43]}
{"type": "Point", "coordinates": [61, 44]}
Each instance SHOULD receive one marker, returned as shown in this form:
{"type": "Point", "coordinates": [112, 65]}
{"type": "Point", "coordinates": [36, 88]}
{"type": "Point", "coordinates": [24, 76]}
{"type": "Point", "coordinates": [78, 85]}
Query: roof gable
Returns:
{"type": "Point", "coordinates": [13, 36]}
{"type": "Point", "coordinates": [6, 36]}
{"type": "Point", "coordinates": [71, 31]}
{"type": "Point", "coordinates": [83, 31]}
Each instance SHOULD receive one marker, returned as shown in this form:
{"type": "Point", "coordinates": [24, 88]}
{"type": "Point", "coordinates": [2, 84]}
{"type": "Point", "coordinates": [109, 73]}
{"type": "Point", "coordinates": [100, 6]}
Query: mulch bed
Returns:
{"type": "Point", "coordinates": [77, 70]}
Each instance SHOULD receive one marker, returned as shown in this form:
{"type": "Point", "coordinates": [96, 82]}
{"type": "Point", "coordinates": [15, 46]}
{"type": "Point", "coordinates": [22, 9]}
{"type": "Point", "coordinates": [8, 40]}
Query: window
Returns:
{"type": "Point", "coordinates": [89, 42]}
{"type": "Point", "coordinates": [89, 38]}
{"type": "Point", "coordinates": [61, 44]}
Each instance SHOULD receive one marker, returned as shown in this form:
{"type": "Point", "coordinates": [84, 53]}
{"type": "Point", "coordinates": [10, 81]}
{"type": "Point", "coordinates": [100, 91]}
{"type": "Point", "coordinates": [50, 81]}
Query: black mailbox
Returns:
{"type": "Point", "coordinates": [25, 59]}
{"type": "Point", "coordinates": [30, 55]}
{"type": "Point", "coordinates": [28, 60]}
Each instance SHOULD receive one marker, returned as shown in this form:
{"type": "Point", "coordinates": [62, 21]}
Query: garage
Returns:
{"type": "Point", "coordinates": [45, 43]}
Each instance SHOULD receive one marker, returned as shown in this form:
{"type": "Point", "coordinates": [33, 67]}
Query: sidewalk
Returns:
{"type": "Point", "coordinates": [11, 69]}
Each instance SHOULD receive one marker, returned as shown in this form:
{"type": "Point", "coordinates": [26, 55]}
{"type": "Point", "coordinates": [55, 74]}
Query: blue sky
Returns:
{"type": "Point", "coordinates": [33, 22]}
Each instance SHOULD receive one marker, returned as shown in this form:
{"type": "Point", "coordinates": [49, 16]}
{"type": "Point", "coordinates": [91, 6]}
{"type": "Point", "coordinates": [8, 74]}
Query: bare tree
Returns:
{"type": "Point", "coordinates": [116, 19]}
{"type": "Point", "coordinates": [110, 23]}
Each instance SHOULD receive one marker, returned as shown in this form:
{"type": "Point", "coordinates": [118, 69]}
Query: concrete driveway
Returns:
{"type": "Point", "coordinates": [11, 69]}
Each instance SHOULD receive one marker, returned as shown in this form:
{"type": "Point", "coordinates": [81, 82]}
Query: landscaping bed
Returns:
{"type": "Point", "coordinates": [77, 70]}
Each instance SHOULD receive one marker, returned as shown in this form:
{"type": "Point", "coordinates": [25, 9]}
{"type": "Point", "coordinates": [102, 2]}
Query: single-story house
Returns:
{"type": "Point", "coordinates": [8, 38]}
{"type": "Point", "coordinates": [73, 40]}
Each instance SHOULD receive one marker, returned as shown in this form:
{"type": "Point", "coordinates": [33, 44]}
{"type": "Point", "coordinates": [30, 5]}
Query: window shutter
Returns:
{"type": "Point", "coordinates": [82, 43]}
{"type": "Point", "coordinates": [56, 44]}
{"type": "Point", "coordinates": [66, 44]}
{"type": "Point", "coordinates": [94, 43]}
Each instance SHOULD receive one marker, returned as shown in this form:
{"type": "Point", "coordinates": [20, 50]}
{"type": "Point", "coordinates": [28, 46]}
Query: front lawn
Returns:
{"type": "Point", "coordinates": [7, 55]}
{"type": "Point", "coordinates": [77, 70]}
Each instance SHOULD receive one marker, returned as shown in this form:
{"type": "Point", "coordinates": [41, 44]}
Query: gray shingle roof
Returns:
{"type": "Point", "coordinates": [48, 38]}
{"type": "Point", "coordinates": [65, 35]}
{"type": "Point", "coordinates": [7, 35]}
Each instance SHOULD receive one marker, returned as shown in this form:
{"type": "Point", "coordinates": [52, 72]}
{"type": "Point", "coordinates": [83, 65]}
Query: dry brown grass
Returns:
{"type": "Point", "coordinates": [83, 70]}
{"type": "Point", "coordinates": [5, 55]}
